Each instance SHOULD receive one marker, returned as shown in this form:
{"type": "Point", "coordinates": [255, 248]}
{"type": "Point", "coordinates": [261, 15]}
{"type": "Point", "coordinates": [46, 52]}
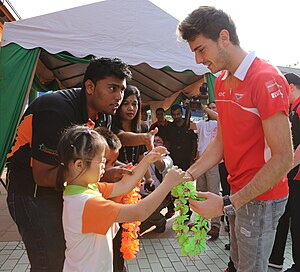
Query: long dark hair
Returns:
{"type": "Point", "coordinates": [136, 122]}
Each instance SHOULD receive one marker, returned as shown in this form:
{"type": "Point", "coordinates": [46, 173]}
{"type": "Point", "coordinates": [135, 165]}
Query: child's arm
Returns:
{"type": "Point", "coordinates": [127, 183]}
{"type": "Point", "coordinates": [142, 210]}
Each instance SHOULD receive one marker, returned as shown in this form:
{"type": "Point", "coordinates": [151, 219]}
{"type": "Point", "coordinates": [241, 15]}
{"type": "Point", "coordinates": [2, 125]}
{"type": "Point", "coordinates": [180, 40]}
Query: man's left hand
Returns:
{"type": "Point", "coordinates": [211, 207]}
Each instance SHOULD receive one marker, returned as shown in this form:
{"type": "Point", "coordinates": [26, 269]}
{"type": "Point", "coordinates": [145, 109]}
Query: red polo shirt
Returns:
{"type": "Point", "coordinates": [243, 101]}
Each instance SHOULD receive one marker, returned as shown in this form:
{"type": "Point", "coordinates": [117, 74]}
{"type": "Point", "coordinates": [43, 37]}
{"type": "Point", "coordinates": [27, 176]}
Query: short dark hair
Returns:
{"type": "Point", "coordinates": [175, 107]}
{"type": "Point", "coordinates": [111, 138]}
{"type": "Point", "coordinates": [207, 21]}
{"type": "Point", "coordinates": [159, 109]}
{"type": "Point", "coordinates": [100, 68]}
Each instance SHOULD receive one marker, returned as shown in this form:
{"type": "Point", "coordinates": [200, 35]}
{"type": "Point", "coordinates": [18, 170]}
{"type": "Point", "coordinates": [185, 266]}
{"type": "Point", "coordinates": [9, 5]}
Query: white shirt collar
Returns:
{"type": "Point", "coordinates": [243, 68]}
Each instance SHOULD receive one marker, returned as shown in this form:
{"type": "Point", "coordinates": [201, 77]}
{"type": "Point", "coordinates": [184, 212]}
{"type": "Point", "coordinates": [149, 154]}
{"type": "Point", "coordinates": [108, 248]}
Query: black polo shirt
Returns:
{"type": "Point", "coordinates": [182, 142]}
{"type": "Point", "coordinates": [39, 132]}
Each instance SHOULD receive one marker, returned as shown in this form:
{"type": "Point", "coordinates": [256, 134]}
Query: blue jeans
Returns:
{"type": "Point", "coordinates": [252, 233]}
{"type": "Point", "coordinates": [39, 220]}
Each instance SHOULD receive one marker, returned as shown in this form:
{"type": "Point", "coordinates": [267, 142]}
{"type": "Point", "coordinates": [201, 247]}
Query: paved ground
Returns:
{"type": "Point", "coordinates": [158, 252]}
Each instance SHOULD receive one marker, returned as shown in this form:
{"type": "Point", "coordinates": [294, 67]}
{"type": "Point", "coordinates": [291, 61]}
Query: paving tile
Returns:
{"type": "Point", "coordinates": [9, 264]}
{"type": "Point", "coordinates": [17, 254]}
{"type": "Point", "coordinates": [193, 269]}
{"type": "Point", "coordinates": [207, 260]}
{"type": "Point", "coordinates": [3, 258]}
{"type": "Point", "coordinates": [169, 249]}
{"type": "Point", "coordinates": [173, 257]}
{"type": "Point", "coordinates": [149, 249]}
{"type": "Point", "coordinates": [213, 268]}
{"type": "Point", "coordinates": [24, 259]}
{"type": "Point", "coordinates": [179, 266]}
{"type": "Point", "coordinates": [161, 253]}
{"type": "Point", "coordinates": [156, 267]}
{"type": "Point", "coordinates": [187, 260]}
{"type": "Point", "coordinates": [143, 263]}
{"type": "Point", "coordinates": [200, 265]}
{"type": "Point", "coordinates": [141, 254]}
{"type": "Point", "coordinates": [166, 242]}
{"type": "Point", "coordinates": [157, 246]}
{"type": "Point", "coordinates": [153, 258]}
{"type": "Point", "coordinates": [133, 268]}
{"type": "Point", "coordinates": [20, 268]}
{"type": "Point", "coordinates": [165, 262]}
{"type": "Point", "coordinates": [169, 269]}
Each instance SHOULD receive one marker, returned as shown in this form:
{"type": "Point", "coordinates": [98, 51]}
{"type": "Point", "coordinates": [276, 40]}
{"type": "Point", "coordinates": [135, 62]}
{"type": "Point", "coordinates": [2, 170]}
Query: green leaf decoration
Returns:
{"type": "Point", "coordinates": [192, 241]}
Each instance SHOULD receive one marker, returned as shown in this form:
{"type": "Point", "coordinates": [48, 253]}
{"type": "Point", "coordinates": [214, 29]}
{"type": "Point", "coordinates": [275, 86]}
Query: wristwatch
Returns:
{"type": "Point", "coordinates": [228, 207]}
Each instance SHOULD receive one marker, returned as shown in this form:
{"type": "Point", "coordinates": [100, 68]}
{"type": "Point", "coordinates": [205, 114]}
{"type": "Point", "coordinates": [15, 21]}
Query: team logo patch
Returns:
{"type": "Point", "coordinates": [274, 88]}
{"type": "Point", "coordinates": [238, 96]}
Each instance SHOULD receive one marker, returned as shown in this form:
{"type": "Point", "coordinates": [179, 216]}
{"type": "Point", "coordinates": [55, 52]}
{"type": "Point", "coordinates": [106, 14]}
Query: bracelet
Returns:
{"type": "Point", "coordinates": [190, 175]}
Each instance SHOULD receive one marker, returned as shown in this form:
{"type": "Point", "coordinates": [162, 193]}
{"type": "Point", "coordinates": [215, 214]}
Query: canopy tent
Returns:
{"type": "Point", "coordinates": [53, 50]}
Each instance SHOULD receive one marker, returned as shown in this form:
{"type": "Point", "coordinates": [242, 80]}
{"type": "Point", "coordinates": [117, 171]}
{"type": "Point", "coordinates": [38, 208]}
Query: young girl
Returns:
{"type": "Point", "coordinates": [88, 216]}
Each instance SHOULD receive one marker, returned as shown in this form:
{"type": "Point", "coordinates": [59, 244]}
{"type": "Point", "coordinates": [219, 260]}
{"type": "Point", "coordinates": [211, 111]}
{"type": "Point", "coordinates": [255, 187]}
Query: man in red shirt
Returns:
{"type": "Point", "coordinates": [253, 137]}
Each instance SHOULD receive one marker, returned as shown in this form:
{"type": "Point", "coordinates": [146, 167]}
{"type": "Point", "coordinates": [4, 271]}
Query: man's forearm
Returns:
{"type": "Point", "coordinates": [212, 156]}
{"type": "Point", "coordinates": [131, 138]}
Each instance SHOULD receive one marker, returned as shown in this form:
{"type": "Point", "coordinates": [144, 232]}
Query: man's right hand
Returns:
{"type": "Point", "coordinates": [115, 174]}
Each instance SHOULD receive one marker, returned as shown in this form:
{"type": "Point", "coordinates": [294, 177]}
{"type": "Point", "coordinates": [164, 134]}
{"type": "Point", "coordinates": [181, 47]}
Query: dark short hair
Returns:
{"type": "Point", "coordinates": [111, 138]}
{"type": "Point", "coordinates": [101, 68]}
{"type": "Point", "coordinates": [159, 109]}
{"type": "Point", "coordinates": [175, 107]}
{"type": "Point", "coordinates": [207, 21]}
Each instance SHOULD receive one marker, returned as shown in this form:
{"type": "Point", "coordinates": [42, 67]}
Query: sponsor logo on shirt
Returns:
{"type": "Point", "coordinates": [274, 88]}
{"type": "Point", "coordinates": [277, 93]}
{"type": "Point", "coordinates": [44, 149]}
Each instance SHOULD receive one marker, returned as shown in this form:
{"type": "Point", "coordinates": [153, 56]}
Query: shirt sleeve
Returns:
{"type": "Point", "coordinates": [47, 127]}
{"type": "Point", "coordinates": [271, 95]}
{"type": "Point", "coordinates": [99, 214]}
{"type": "Point", "coordinates": [105, 188]}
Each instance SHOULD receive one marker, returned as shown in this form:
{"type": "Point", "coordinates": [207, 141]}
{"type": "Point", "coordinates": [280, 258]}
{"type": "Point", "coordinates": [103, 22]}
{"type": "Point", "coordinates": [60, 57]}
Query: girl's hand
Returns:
{"type": "Point", "coordinates": [156, 153]}
{"type": "Point", "coordinates": [175, 176]}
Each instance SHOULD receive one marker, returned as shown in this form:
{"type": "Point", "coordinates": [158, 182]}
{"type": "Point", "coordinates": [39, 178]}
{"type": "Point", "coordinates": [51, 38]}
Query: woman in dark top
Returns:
{"type": "Point", "coordinates": [127, 118]}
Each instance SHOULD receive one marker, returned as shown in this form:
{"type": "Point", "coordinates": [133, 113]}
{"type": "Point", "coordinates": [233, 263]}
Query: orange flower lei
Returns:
{"type": "Point", "coordinates": [130, 242]}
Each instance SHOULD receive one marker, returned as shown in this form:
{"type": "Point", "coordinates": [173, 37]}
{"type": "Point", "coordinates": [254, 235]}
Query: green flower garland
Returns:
{"type": "Point", "coordinates": [194, 243]}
